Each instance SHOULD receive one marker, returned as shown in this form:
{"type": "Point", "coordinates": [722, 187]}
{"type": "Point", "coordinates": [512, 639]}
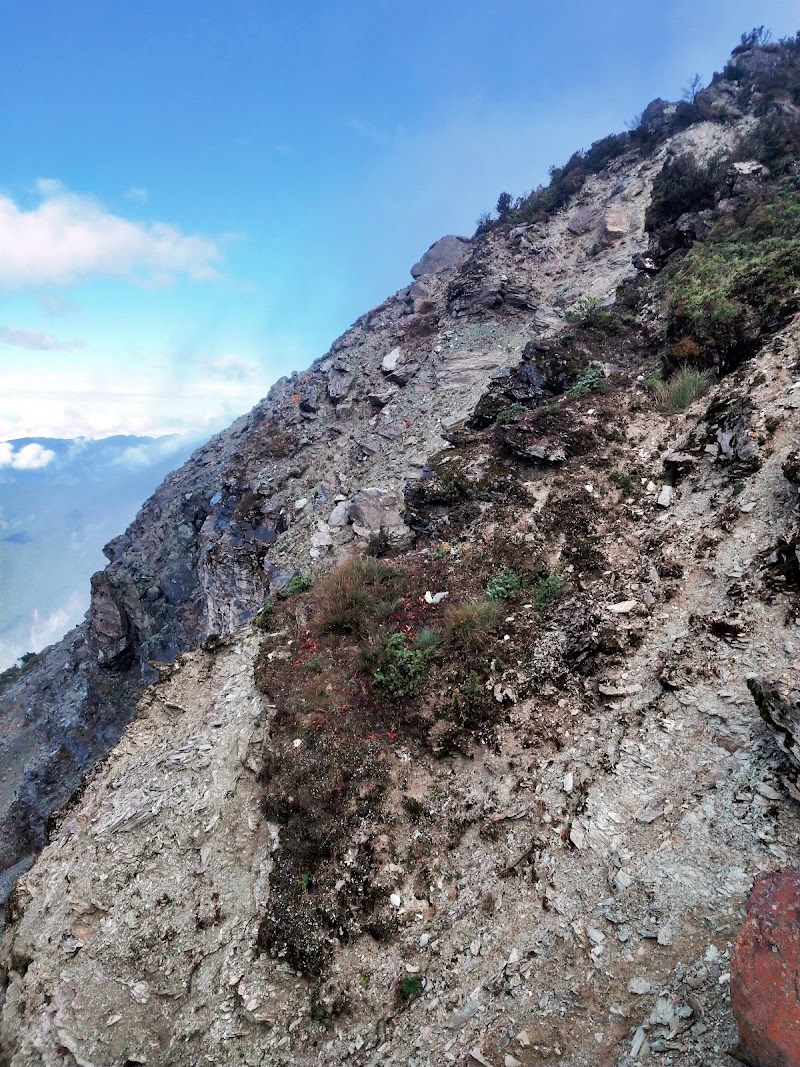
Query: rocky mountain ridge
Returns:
{"type": "Point", "coordinates": [552, 873]}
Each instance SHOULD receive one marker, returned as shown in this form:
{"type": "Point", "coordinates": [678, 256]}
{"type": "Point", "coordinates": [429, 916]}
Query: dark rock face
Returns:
{"type": "Point", "coordinates": [111, 628]}
{"type": "Point", "coordinates": [656, 116]}
{"type": "Point", "coordinates": [791, 468]}
{"type": "Point", "coordinates": [765, 973]}
{"type": "Point", "coordinates": [781, 714]}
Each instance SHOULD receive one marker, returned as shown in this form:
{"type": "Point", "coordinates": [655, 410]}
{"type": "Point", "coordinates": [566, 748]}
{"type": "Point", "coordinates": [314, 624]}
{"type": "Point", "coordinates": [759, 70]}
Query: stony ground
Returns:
{"type": "Point", "coordinates": [567, 895]}
{"type": "Point", "coordinates": [562, 885]}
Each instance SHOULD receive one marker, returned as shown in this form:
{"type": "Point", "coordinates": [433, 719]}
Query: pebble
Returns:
{"type": "Point", "coordinates": [511, 1061]}
{"type": "Point", "coordinates": [640, 986]}
{"type": "Point", "coordinates": [768, 792]}
{"type": "Point", "coordinates": [639, 1040]}
{"type": "Point", "coordinates": [460, 1017]}
{"type": "Point", "coordinates": [622, 880]}
{"type": "Point", "coordinates": [594, 935]}
{"type": "Point", "coordinates": [478, 1056]}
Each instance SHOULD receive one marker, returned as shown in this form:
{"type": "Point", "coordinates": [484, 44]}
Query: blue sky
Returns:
{"type": "Point", "coordinates": [197, 197]}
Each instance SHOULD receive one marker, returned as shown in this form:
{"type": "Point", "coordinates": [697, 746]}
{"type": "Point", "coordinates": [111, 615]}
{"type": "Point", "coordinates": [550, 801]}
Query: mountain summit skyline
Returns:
{"type": "Point", "coordinates": [192, 207]}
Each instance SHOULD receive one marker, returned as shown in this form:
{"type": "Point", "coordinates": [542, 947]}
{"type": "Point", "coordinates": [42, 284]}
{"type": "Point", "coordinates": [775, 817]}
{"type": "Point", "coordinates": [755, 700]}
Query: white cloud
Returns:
{"type": "Point", "coordinates": [137, 193]}
{"type": "Point", "coordinates": [45, 629]}
{"type": "Point", "coordinates": [233, 368]}
{"type": "Point", "coordinates": [38, 342]}
{"type": "Point", "coordinates": [145, 398]}
{"type": "Point", "coordinates": [150, 452]}
{"type": "Point", "coordinates": [31, 457]}
{"type": "Point", "coordinates": [69, 237]}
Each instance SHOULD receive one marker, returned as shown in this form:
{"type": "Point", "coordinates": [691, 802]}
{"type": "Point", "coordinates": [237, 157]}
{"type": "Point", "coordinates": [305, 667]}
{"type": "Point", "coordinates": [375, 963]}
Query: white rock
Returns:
{"type": "Point", "coordinates": [640, 986]}
{"type": "Point", "coordinates": [665, 496]}
{"type": "Point", "coordinates": [478, 1056]}
{"type": "Point", "coordinates": [622, 880]}
{"type": "Point", "coordinates": [639, 1042]}
{"type": "Point", "coordinates": [395, 900]}
{"type": "Point", "coordinates": [596, 936]}
{"type": "Point", "coordinates": [301, 503]}
{"type": "Point", "coordinates": [339, 514]}
{"type": "Point", "coordinates": [625, 607]}
{"type": "Point", "coordinates": [392, 360]}
{"type": "Point", "coordinates": [577, 835]}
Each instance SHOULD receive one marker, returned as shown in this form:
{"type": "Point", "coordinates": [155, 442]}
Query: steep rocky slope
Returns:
{"type": "Point", "coordinates": [319, 463]}
{"type": "Point", "coordinates": [325, 839]}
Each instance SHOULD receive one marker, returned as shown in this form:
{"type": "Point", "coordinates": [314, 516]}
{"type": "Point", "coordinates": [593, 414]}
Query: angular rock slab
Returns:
{"type": "Point", "coordinates": [461, 368]}
{"type": "Point", "coordinates": [373, 509]}
{"type": "Point", "coordinates": [765, 973]}
{"type": "Point", "coordinates": [444, 254]}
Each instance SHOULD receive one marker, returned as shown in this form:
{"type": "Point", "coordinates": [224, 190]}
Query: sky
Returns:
{"type": "Point", "coordinates": [197, 197]}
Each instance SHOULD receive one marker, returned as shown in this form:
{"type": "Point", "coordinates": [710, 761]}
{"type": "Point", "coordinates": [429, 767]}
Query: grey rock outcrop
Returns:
{"type": "Point", "coordinates": [373, 510]}
{"type": "Point", "coordinates": [445, 254]}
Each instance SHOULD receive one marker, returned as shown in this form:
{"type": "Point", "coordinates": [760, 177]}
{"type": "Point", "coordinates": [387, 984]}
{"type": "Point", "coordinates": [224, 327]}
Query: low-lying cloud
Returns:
{"type": "Point", "coordinates": [233, 368]}
{"type": "Point", "coordinates": [69, 237]}
{"type": "Point", "coordinates": [149, 453]}
{"type": "Point", "coordinates": [33, 457]}
{"type": "Point", "coordinates": [38, 342]}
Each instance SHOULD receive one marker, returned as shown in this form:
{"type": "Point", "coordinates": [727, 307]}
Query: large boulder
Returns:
{"type": "Point", "coordinates": [373, 510]}
{"type": "Point", "coordinates": [657, 116]}
{"type": "Point", "coordinates": [444, 254]}
{"type": "Point", "coordinates": [340, 382]}
{"type": "Point", "coordinates": [110, 626]}
{"type": "Point", "coordinates": [765, 973]}
{"type": "Point", "coordinates": [583, 220]}
{"type": "Point", "coordinates": [616, 223]}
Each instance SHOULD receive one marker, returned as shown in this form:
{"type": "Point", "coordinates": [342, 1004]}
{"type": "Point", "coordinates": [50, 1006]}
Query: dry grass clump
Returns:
{"type": "Point", "coordinates": [469, 626]}
{"type": "Point", "coordinates": [350, 595]}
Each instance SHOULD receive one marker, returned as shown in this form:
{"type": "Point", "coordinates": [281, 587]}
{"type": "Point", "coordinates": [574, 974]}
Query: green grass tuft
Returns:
{"type": "Point", "coordinates": [685, 385]}
{"type": "Point", "coordinates": [503, 586]}
{"type": "Point", "coordinates": [548, 591]}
